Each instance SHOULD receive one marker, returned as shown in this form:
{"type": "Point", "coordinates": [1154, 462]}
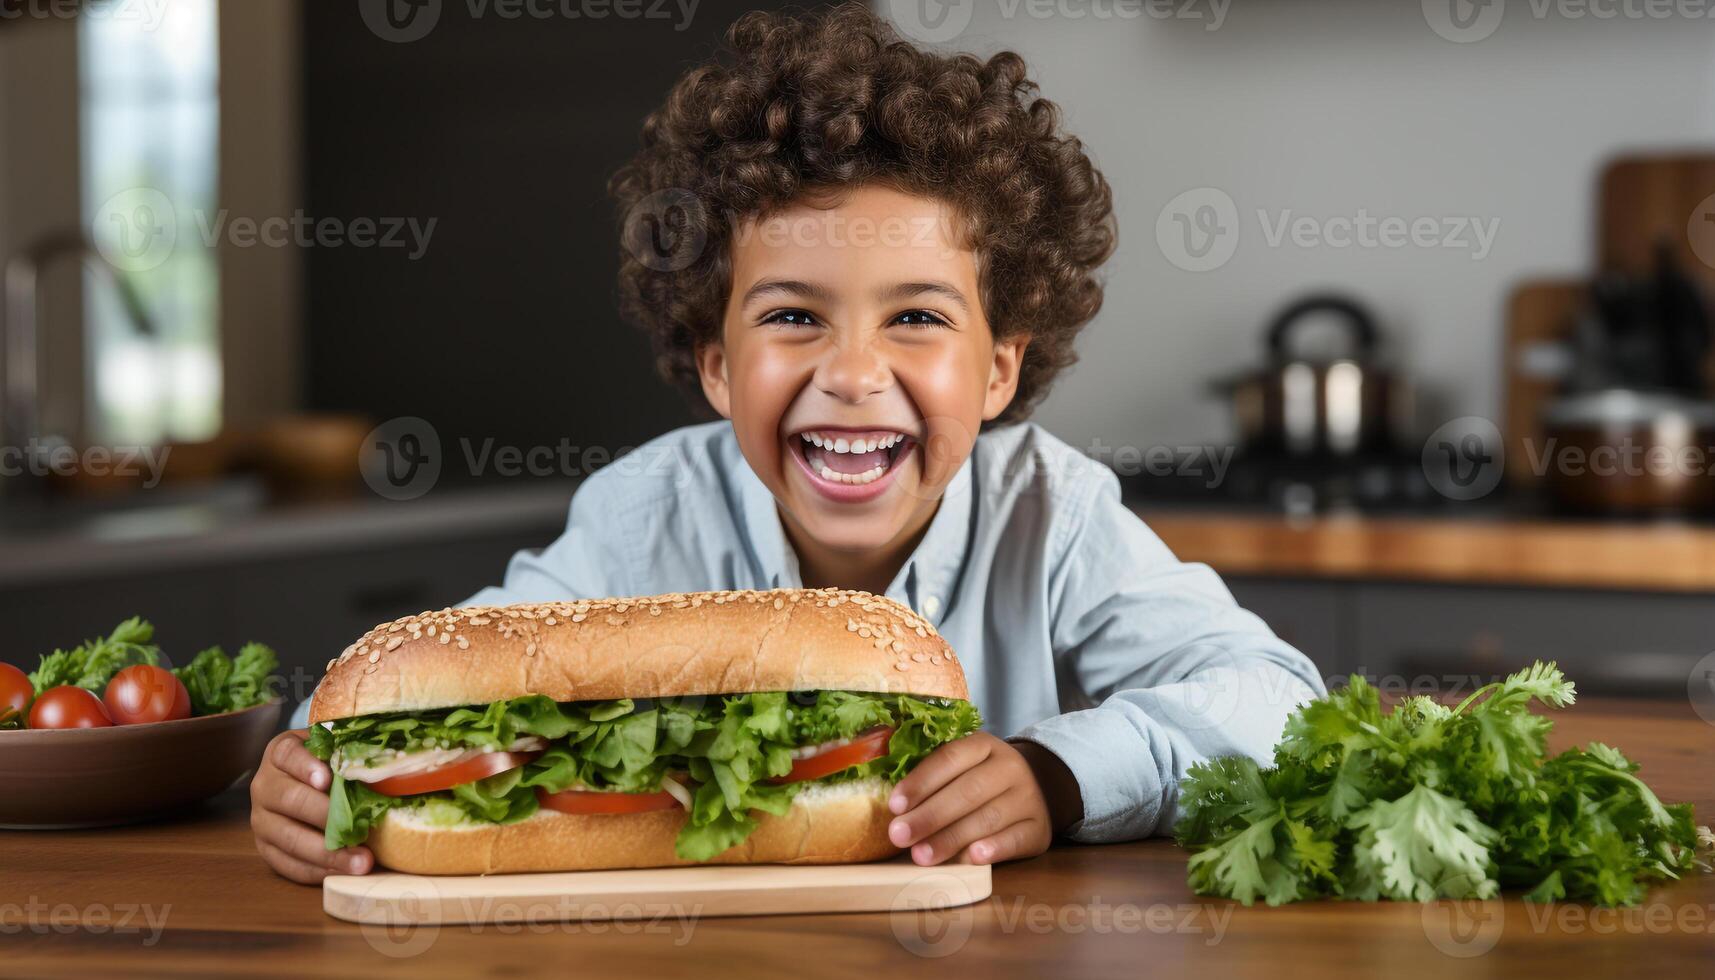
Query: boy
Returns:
{"type": "Point", "coordinates": [889, 254]}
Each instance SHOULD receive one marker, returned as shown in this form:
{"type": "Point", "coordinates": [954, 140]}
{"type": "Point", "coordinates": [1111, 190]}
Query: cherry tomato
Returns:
{"type": "Point", "coordinates": [862, 748]}
{"type": "Point", "coordinates": [68, 707]}
{"type": "Point", "coordinates": [15, 692]}
{"type": "Point", "coordinates": [140, 694]}
{"type": "Point", "coordinates": [446, 777]}
{"type": "Point", "coordinates": [588, 802]}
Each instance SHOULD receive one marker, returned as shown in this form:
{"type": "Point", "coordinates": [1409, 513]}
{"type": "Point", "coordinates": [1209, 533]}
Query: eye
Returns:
{"type": "Point", "coordinates": [790, 318]}
{"type": "Point", "coordinates": [921, 318]}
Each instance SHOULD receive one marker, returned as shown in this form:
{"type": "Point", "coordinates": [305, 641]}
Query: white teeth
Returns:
{"type": "Point", "coordinates": [840, 444]}
{"type": "Point", "coordinates": [857, 479]}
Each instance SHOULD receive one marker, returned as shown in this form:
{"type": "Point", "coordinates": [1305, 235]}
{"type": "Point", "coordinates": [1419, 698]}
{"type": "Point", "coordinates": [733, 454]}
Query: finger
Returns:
{"type": "Point", "coordinates": [1022, 839]}
{"type": "Point", "coordinates": [297, 800]}
{"type": "Point", "coordinates": [940, 768]}
{"type": "Point", "coordinates": [964, 795]}
{"type": "Point", "coordinates": [310, 846]}
{"type": "Point", "coordinates": [987, 820]}
{"type": "Point", "coordinates": [289, 755]}
{"type": "Point", "coordinates": [290, 867]}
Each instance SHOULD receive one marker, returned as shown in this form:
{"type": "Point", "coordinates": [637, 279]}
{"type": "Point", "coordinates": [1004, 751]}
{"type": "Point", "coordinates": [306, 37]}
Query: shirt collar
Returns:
{"type": "Point", "coordinates": [925, 582]}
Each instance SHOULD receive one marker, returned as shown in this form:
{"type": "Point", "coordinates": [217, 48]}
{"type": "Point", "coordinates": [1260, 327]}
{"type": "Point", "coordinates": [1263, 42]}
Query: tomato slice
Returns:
{"type": "Point", "coordinates": [864, 747]}
{"type": "Point", "coordinates": [587, 801]}
{"type": "Point", "coordinates": [446, 777]}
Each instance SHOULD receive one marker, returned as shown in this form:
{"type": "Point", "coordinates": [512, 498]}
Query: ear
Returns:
{"type": "Point", "coordinates": [711, 370]}
{"type": "Point", "coordinates": [1003, 374]}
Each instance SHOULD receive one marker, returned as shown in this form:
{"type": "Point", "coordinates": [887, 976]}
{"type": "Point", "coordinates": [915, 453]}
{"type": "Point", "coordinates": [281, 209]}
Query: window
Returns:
{"type": "Point", "coordinates": [150, 122]}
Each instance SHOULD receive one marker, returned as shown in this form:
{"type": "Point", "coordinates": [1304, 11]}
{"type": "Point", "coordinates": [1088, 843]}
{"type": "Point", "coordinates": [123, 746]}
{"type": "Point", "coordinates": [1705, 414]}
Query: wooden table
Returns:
{"type": "Point", "coordinates": [1120, 910]}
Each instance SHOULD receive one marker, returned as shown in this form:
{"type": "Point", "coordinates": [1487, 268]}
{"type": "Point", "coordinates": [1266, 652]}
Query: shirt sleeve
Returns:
{"type": "Point", "coordinates": [585, 561]}
{"type": "Point", "coordinates": [1168, 671]}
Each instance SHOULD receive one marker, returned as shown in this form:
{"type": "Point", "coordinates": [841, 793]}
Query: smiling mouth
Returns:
{"type": "Point", "coordinates": [851, 458]}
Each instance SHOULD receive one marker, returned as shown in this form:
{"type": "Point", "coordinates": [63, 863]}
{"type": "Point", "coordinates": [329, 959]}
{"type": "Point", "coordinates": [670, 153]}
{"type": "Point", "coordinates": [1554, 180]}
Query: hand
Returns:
{"type": "Point", "coordinates": [289, 810]}
{"type": "Point", "coordinates": [982, 800]}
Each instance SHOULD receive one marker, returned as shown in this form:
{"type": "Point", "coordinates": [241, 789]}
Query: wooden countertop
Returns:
{"type": "Point", "coordinates": [1121, 910]}
{"type": "Point", "coordinates": [1643, 557]}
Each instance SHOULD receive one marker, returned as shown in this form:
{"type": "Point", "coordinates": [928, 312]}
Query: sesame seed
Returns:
{"type": "Point", "coordinates": [530, 649]}
{"type": "Point", "coordinates": [550, 620]}
{"type": "Point", "coordinates": [446, 638]}
{"type": "Point", "coordinates": [375, 656]}
{"type": "Point", "coordinates": [919, 656]}
{"type": "Point", "coordinates": [392, 644]}
{"type": "Point", "coordinates": [578, 617]}
{"type": "Point", "coordinates": [902, 666]}
{"type": "Point", "coordinates": [779, 603]}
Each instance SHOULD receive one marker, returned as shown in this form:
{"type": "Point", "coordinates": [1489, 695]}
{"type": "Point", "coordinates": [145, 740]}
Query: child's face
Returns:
{"type": "Point", "coordinates": [857, 324]}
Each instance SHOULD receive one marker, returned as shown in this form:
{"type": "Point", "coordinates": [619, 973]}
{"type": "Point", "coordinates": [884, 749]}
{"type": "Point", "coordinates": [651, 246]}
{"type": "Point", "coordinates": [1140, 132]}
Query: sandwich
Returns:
{"type": "Point", "coordinates": [753, 727]}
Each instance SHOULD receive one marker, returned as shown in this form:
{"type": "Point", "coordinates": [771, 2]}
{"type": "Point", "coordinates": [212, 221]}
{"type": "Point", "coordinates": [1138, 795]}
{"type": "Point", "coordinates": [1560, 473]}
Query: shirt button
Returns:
{"type": "Point", "coordinates": [931, 605]}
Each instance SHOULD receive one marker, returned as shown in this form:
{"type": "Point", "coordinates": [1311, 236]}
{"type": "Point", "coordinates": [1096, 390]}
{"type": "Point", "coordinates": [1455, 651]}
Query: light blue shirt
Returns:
{"type": "Point", "coordinates": [1078, 629]}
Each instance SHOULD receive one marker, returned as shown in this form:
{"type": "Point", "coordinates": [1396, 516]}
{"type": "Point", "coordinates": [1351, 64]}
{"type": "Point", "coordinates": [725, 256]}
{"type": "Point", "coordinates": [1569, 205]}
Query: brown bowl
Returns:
{"type": "Point", "coordinates": [97, 777]}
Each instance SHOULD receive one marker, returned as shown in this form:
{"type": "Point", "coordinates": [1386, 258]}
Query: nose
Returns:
{"type": "Point", "coordinates": [852, 372]}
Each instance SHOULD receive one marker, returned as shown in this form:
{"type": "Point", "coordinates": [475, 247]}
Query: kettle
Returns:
{"type": "Point", "coordinates": [1337, 408]}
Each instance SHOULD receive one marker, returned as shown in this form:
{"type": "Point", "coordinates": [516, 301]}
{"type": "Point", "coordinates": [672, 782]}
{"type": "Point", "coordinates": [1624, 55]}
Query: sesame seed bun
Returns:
{"type": "Point", "coordinates": [675, 645]}
{"type": "Point", "coordinates": [841, 823]}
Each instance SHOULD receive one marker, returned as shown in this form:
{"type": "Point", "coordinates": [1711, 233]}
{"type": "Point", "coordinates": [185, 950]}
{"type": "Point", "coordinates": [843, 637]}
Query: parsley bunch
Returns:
{"type": "Point", "coordinates": [1430, 802]}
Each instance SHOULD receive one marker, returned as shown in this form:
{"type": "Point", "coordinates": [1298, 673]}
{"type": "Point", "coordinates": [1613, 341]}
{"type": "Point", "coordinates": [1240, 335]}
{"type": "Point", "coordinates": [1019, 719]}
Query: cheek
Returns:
{"type": "Point", "coordinates": [947, 384]}
{"type": "Point", "coordinates": [765, 379]}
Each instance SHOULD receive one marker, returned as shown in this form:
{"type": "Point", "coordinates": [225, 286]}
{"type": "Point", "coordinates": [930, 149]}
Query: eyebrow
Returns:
{"type": "Point", "coordinates": [790, 287]}
{"type": "Point", "coordinates": [817, 291]}
{"type": "Point", "coordinates": [928, 287]}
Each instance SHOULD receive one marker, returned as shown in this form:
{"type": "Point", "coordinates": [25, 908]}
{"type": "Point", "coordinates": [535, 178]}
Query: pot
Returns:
{"type": "Point", "coordinates": [1301, 407]}
{"type": "Point", "coordinates": [1620, 451]}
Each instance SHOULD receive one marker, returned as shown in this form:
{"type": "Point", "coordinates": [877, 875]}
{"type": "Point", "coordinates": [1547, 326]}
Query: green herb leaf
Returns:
{"type": "Point", "coordinates": [1427, 801]}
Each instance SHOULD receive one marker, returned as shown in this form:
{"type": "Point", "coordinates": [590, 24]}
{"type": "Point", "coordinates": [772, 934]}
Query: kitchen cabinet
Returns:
{"type": "Point", "coordinates": [306, 582]}
{"type": "Point", "coordinates": [1412, 637]}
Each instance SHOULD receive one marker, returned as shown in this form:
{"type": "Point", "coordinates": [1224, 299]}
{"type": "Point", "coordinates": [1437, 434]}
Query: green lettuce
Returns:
{"type": "Point", "coordinates": [731, 746]}
{"type": "Point", "coordinates": [93, 663]}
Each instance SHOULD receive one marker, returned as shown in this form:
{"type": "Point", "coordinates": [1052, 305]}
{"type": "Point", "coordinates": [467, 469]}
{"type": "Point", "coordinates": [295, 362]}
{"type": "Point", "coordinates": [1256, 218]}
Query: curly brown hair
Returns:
{"type": "Point", "coordinates": [832, 100]}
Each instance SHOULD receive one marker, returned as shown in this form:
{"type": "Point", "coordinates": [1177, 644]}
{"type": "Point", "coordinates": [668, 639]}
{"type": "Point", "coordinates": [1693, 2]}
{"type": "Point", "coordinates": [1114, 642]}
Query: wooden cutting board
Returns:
{"type": "Point", "coordinates": [403, 900]}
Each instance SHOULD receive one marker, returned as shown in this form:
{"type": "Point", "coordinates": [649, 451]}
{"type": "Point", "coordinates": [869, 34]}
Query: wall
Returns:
{"type": "Point", "coordinates": [1322, 108]}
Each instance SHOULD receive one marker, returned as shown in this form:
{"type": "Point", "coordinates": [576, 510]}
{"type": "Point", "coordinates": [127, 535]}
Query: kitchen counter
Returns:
{"type": "Point", "coordinates": [236, 523]}
{"type": "Point", "coordinates": [1499, 550]}
{"type": "Point", "coordinates": [1119, 910]}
